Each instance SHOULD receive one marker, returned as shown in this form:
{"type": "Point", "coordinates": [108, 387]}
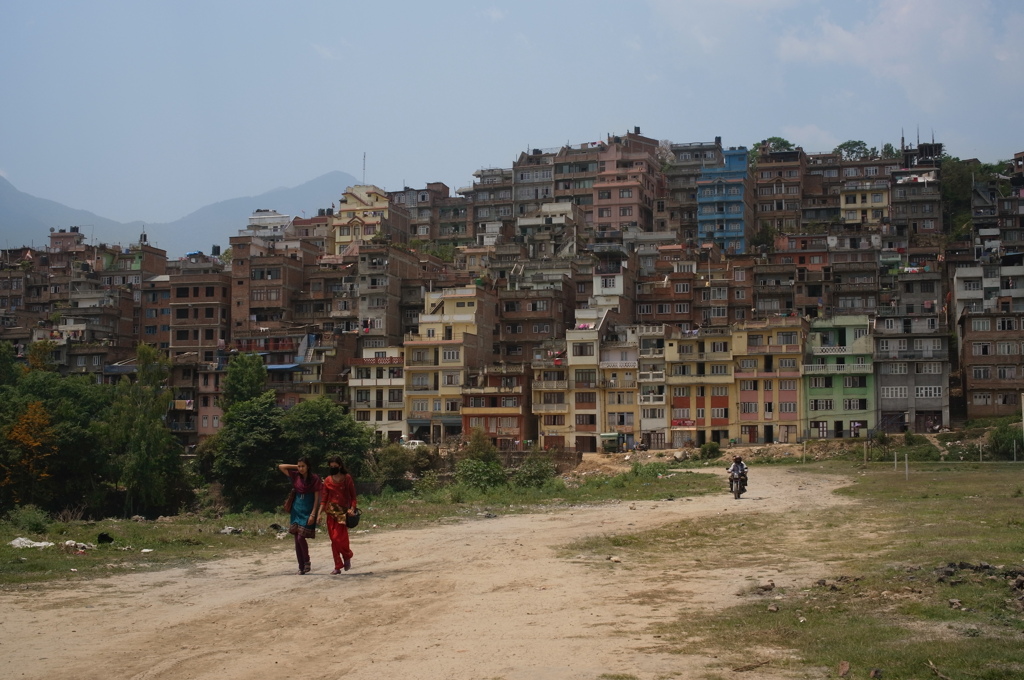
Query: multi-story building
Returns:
{"type": "Point", "coordinates": [990, 361]}
{"type": "Point", "coordinates": [768, 354]}
{"type": "Point", "coordinates": [682, 174]}
{"type": "Point", "coordinates": [455, 337]}
{"type": "Point", "coordinates": [377, 389]}
{"type": "Point", "coordinates": [725, 213]}
{"type": "Point", "coordinates": [365, 212]}
{"type": "Point", "coordinates": [779, 184]}
{"type": "Point", "coordinates": [838, 378]}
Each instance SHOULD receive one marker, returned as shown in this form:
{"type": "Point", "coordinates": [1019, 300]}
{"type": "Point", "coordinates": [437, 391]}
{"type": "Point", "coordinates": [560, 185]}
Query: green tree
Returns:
{"type": "Point", "coordinates": [81, 476]}
{"type": "Point", "coordinates": [777, 144]}
{"type": "Point", "coordinates": [852, 150]}
{"type": "Point", "coordinates": [246, 379]}
{"type": "Point", "coordinates": [9, 369]}
{"type": "Point", "coordinates": [248, 450]}
{"type": "Point", "coordinates": [143, 451]}
{"type": "Point", "coordinates": [480, 447]}
{"type": "Point", "coordinates": [890, 151]}
{"type": "Point", "coordinates": [320, 428]}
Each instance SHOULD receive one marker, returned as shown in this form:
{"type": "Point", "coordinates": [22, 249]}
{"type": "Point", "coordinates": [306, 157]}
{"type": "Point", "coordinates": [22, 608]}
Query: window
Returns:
{"type": "Point", "coordinates": [451, 355]}
{"type": "Point", "coordinates": [855, 404]}
{"type": "Point", "coordinates": [625, 193]}
{"type": "Point", "coordinates": [894, 393]}
{"type": "Point", "coordinates": [1006, 372]}
{"type": "Point", "coordinates": [748, 407]}
{"type": "Point", "coordinates": [787, 363]}
{"type": "Point", "coordinates": [719, 413]}
{"type": "Point", "coordinates": [720, 391]}
{"type": "Point", "coordinates": [682, 288]}
{"type": "Point", "coordinates": [583, 349]}
{"type": "Point", "coordinates": [719, 369]}
{"type": "Point", "coordinates": [981, 398]}
{"type": "Point", "coordinates": [748, 385]}
{"type": "Point", "coordinates": [607, 281]}
{"type": "Point", "coordinates": [980, 349]}
{"type": "Point", "coordinates": [931, 367]}
{"type": "Point", "coordinates": [680, 391]}
{"type": "Point", "coordinates": [928, 392]}
{"type": "Point", "coordinates": [981, 372]}
{"type": "Point", "coordinates": [787, 407]}
{"type": "Point", "coordinates": [787, 385]}
{"type": "Point", "coordinates": [821, 404]}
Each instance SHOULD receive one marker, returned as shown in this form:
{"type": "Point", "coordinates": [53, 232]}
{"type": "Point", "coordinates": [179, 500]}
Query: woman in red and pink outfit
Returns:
{"type": "Point", "coordinates": [338, 501]}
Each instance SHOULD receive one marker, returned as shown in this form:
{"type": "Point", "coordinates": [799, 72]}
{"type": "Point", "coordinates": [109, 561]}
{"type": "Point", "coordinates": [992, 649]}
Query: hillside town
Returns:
{"type": "Point", "coordinates": [589, 298]}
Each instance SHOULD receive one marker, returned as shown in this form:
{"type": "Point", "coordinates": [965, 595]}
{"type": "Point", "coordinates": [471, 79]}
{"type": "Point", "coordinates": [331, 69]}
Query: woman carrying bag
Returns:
{"type": "Point", "coordinates": [339, 504]}
{"type": "Point", "coordinates": [306, 488]}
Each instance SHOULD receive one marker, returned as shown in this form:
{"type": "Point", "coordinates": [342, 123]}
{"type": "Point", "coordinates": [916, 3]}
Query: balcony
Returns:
{"type": "Point", "coordinates": [933, 354]}
{"type": "Point", "coordinates": [855, 287]}
{"type": "Point", "coordinates": [825, 351]}
{"type": "Point", "coordinates": [774, 290]}
{"type": "Point", "coordinates": [651, 376]}
{"type": "Point", "coordinates": [550, 384]}
{"type": "Point", "coordinates": [652, 398]}
{"type": "Point", "coordinates": [493, 389]}
{"type": "Point", "coordinates": [707, 356]}
{"type": "Point", "coordinates": [618, 384]}
{"type": "Point", "coordinates": [831, 369]}
{"type": "Point", "coordinates": [550, 408]}
{"type": "Point", "coordinates": [618, 364]}
{"type": "Point", "coordinates": [773, 349]}
{"type": "Point", "coordinates": [652, 352]}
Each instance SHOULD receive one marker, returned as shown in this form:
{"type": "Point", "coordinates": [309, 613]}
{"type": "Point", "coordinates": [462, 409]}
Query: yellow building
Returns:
{"type": "Point", "coordinates": [363, 213]}
{"type": "Point", "coordinates": [455, 336]}
{"type": "Point", "coordinates": [769, 402]}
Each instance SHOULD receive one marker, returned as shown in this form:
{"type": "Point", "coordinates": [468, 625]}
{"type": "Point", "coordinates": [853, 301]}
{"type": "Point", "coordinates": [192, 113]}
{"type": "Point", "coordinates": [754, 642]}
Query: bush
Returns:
{"type": "Point", "coordinates": [650, 470]}
{"type": "Point", "coordinates": [911, 439]}
{"type": "Point", "coordinates": [479, 474]}
{"type": "Point", "coordinates": [480, 447]}
{"type": "Point", "coordinates": [534, 472]}
{"type": "Point", "coordinates": [389, 463]}
{"type": "Point", "coordinates": [710, 451]}
{"type": "Point", "coordinates": [427, 484]}
{"type": "Point", "coordinates": [29, 518]}
{"type": "Point", "coordinates": [1001, 441]}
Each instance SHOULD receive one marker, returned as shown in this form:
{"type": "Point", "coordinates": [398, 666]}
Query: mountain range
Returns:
{"type": "Point", "coordinates": [27, 219]}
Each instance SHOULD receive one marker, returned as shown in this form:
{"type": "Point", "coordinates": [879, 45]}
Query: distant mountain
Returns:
{"type": "Point", "coordinates": [26, 220]}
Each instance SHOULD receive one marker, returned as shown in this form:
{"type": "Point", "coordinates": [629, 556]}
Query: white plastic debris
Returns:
{"type": "Point", "coordinates": [146, 550]}
{"type": "Point", "coordinates": [27, 543]}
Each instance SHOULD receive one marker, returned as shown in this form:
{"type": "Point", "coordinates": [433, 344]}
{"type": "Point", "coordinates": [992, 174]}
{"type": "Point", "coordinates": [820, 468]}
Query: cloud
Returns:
{"type": "Point", "coordinates": [933, 51]}
{"type": "Point", "coordinates": [811, 137]}
{"type": "Point", "coordinates": [495, 14]}
{"type": "Point", "coordinates": [325, 52]}
{"type": "Point", "coordinates": [3, 173]}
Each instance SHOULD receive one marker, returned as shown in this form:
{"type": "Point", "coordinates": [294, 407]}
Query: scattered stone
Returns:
{"type": "Point", "coordinates": [231, 530]}
{"type": "Point", "coordinates": [614, 558]}
{"type": "Point", "coordinates": [773, 607]}
{"type": "Point", "coordinates": [844, 668]}
{"type": "Point", "coordinates": [875, 673]}
{"type": "Point", "coordinates": [955, 604]}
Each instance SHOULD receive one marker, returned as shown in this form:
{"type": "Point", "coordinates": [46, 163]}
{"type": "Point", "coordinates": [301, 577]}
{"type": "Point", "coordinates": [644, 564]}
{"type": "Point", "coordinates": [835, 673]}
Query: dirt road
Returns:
{"type": "Point", "coordinates": [487, 598]}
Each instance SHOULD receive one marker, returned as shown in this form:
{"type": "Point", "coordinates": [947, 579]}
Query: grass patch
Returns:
{"type": "Point", "coordinates": [918, 570]}
{"type": "Point", "coordinates": [185, 540]}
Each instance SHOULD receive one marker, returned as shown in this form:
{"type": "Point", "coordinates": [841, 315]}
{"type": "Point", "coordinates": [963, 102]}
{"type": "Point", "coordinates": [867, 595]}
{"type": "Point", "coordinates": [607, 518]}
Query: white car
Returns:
{"type": "Point", "coordinates": [414, 443]}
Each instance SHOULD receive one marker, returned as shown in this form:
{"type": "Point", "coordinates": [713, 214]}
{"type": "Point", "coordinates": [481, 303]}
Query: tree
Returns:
{"type": "Point", "coordinates": [246, 379]}
{"type": "Point", "coordinates": [80, 474]}
{"type": "Point", "coordinates": [40, 355]}
{"type": "Point", "coordinates": [142, 449]}
{"type": "Point", "coordinates": [777, 144]}
{"type": "Point", "coordinates": [25, 470]}
{"type": "Point", "coordinates": [320, 428]}
{"type": "Point", "coordinates": [248, 450]}
{"type": "Point", "coordinates": [890, 151]}
{"type": "Point", "coordinates": [9, 369]}
{"type": "Point", "coordinates": [480, 447]}
{"type": "Point", "coordinates": [852, 150]}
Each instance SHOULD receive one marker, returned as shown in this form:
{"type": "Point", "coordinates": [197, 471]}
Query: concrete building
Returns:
{"type": "Point", "coordinates": [838, 378]}
{"type": "Point", "coordinates": [725, 204]}
{"type": "Point", "coordinates": [990, 361]}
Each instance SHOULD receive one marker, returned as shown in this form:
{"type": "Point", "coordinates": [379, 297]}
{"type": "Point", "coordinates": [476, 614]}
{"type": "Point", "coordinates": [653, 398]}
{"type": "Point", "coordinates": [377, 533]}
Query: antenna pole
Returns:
{"type": "Point", "coordinates": [364, 167]}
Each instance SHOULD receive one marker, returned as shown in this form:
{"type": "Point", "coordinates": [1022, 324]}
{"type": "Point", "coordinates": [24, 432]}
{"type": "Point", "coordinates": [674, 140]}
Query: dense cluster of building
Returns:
{"type": "Point", "coordinates": [592, 297]}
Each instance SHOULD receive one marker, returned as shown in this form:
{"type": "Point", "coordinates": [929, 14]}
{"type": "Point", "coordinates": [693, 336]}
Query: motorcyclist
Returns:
{"type": "Point", "coordinates": [740, 468]}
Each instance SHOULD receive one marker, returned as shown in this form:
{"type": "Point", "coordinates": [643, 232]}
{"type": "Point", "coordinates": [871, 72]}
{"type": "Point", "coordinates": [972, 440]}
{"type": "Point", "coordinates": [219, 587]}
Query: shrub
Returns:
{"type": "Point", "coordinates": [534, 472]}
{"type": "Point", "coordinates": [29, 518]}
{"type": "Point", "coordinates": [479, 474]}
{"type": "Point", "coordinates": [1001, 441]}
{"type": "Point", "coordinates": [710, 450]}
{"type": "Point", "coordinates": [480, 447]}
{"type": "Point", "coordinates": [911, 439]}
{"type": "Point", "coordinates": [429, 483]}
{"type": "Point", "coordinates": [650, 470]}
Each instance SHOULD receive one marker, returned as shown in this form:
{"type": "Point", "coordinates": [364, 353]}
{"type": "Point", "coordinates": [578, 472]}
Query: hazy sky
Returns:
{"type": "Point", "coordinates": [150, 110]}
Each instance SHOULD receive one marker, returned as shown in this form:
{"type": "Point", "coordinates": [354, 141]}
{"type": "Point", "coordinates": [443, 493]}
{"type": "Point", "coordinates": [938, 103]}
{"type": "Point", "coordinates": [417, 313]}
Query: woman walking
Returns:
{"type": "Point", "coordinates": [339, 501]}
{"type": "Point", "coordinates": [307, 487]}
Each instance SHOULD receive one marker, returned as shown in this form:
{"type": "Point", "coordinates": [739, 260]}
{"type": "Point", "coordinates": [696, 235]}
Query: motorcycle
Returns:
{"type": "Point", "coordinates": [737, 483]}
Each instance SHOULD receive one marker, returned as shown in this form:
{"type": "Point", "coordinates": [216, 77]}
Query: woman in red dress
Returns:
{"type": "Point", "coordinates": [338, 501]}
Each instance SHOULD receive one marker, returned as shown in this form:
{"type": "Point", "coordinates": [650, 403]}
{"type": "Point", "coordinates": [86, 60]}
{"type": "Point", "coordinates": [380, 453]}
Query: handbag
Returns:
{"type": "Point", "coordinates": [289, 501]}
{"type": "Point", "coordinates": [352, 521]}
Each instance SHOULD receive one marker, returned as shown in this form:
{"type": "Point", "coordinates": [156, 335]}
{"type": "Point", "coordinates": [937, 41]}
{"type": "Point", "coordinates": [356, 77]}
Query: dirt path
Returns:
{"type": "Point", "coordinates": [475, 599]}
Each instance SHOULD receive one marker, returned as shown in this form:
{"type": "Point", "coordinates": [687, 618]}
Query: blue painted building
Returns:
{"type": "Point", "coordinates": [725, 211]}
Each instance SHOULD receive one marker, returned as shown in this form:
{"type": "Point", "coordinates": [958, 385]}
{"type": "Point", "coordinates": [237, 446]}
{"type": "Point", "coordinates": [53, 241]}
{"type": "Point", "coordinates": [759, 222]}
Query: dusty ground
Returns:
{"type": "Point", "coordinates": [476, 599]}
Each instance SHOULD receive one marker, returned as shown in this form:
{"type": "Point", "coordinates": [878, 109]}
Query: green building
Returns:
{"type": "Point", "coordinates": [839, 381]}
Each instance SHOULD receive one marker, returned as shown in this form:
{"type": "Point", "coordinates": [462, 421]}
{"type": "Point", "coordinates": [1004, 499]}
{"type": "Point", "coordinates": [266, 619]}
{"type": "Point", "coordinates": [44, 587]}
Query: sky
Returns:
{"type": "Point", "coordinates": [151, 110]}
